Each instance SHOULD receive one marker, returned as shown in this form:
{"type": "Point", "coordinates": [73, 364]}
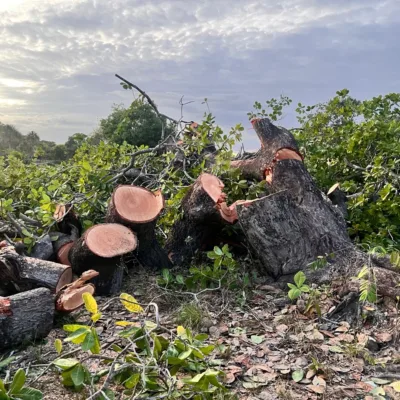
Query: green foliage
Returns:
{"type": "Point", "coordinates": [150, 363]}
{"type": "Point", "coordinates": [16, 389]}
{"type": "Point", "coordinates": [357, 144]}
{"type": "Point", "coordinates": [136, 125]}
{"type": "Point", "coordinates": [299, 287]}
{"type": "Point", "coordinates": [223, 271]}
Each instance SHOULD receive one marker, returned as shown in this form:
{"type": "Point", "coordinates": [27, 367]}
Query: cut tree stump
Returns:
{"type": "Point", "coordinates": [277, 144]}
{"type": "Point", "coordinates": [101, 248]}
{"type": "Point", "coordinates": [25, 317]}
{"type": "Point", "coordinates": [138, 209]}
{"type": "Point", "coordinates": [205, 215]}
{"type": "Point", "coordinates": [27, 273]}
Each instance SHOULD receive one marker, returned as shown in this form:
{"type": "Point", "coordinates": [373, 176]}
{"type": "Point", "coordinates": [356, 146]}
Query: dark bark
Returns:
{"type": "Point", "coordinates": [62, 246]}
{"type": "Point", "coordinates": [25, 317]}
{"type": "Point", "coordinates": [25, 273]}
{"type": "Point", "coordinates": [43, 249]}
{"type": "Point", "coordinates": [202, 225]}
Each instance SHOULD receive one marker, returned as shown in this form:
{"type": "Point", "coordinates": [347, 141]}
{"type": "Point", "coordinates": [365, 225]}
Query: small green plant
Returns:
{"type": "Point", "coordinates": [190, 315]}
{"type": "Point", "coordinates": [16, 390]}
{"type": "Point", "coordinates": [224, 271]}
{"type": "Point", "coordinates": [313, 302]}
{"type": "Point", "coordinates": [368, 290]}
{"type": "Point", "coordinates": [298, 287]}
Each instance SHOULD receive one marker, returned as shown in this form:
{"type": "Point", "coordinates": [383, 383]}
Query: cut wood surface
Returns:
{"type": "Point", "coordinates": [27, 272]}
{"type": "Point", "coordinates": [101, 248]}
{"type": "Point", "coordinates": [138, 209]}
{"type": "Point", "coordinates": [277, 143]}
{"type": "Point", "coordinates": [62, 245]}
{"type": "Point", "coordinates": [69, 298]}
{"type": "Point", "coordinates": [25, 317]}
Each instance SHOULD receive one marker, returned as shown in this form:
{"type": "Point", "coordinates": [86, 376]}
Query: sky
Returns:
{"type": "Point", "coordinates": [58, 58]}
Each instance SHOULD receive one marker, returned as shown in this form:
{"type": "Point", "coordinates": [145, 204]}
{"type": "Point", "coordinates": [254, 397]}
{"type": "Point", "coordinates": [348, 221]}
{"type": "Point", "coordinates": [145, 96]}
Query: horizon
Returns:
{"type": "Point", "coordinates": [59, 59]}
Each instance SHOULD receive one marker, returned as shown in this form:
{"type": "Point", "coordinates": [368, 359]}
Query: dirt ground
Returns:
{"type": "Point", "coordinates": [268, 348]}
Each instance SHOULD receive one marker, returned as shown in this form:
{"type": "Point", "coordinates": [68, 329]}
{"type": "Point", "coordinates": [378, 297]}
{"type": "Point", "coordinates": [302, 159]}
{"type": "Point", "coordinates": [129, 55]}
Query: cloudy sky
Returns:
{"type": "Point", "coordinates": [58, 57]}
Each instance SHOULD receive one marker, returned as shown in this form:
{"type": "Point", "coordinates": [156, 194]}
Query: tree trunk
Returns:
{"type": "Point", "coordinates": [25, 317]}
{"type": "Point", "coordinates": [205, 215]}
{"type": "Point", "coordinates": [138, 209]}
{"type": "Point", "coordinates": [27, 273]}
{"type": "Point", "coordinates": [101, 248]}
{"type": "Point", "coordinates": [67, 220]}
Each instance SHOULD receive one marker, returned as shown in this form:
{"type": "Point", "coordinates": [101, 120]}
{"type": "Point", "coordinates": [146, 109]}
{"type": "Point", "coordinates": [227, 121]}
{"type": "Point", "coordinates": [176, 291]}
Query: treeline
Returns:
{"type": "Point", "coordinates": [137, 125]}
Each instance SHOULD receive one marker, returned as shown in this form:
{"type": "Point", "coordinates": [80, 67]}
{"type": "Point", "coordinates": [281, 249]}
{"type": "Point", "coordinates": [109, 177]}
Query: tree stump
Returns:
{"type": "Point", "coordinates": [205, 214]}
{"type": "Point", "coordinates": [138, 209]}
{"type": "Point", "coordinates": [25, 317]}
{"type": "Point", "coordinates": [101, 248]}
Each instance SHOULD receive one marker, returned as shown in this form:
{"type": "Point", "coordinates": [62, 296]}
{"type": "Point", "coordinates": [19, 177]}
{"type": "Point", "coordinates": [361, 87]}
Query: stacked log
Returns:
{"type": "Point", "coordinates": [138, 208]}
{"type": "Point", "coordinates": [101, 248]}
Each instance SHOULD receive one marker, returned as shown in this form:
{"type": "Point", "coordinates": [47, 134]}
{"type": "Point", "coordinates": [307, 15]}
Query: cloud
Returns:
{"type": "Point", "coordinates": [64, 56]}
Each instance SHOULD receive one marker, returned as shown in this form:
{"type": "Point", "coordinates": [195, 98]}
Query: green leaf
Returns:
{"type": "Point", "coordinates": [132, 381]}
{"type": "Point", "coordinates": [86, 166]}
{"type": "Point", "coordinates": [73, 328]}
{"type": "Point", "coordinates": [66, 363]}
{"type": "Point", "coordinates": [218, 251]}
{"type": "Point", "coordinates": [78, 375]}
{"type": "Point", "coordinates": [78, 336]}
{"type": "Point", "coordinates": [18, 381]}
{"type": "Point", "coordinates": [201, 337]}
{"type": "Point", "coordinates": [298, 375]}
{"type": "Point", "coordinates": [185, 354]}
{"type": "Point", "coordinates": [95, 317]}
{"type": "Point", "coordinates": [257, 339]}
{"type": "Point", "coordinates": [299, 279]}
{"type": "Point", "coordinates": [96, 347]}
{"type": "Point", "coordinates": [109, 393]}
{"type": "Point", "coordinates": [2, 387]}
{"type": "Point", "coordinates": [89, 342]}
{"type": "Point", "coordinates": [58, 345]}
{"type": "Point", "coordinates": [206, 350]}
{"type": "Point", "coordinates": [6, 362]}
{"type": "Point", "coordinates": [29, 394]}
{"type": "Point", "coordinates": [90, 303]}
{"type": "Point", "coordinates": [131, 304]}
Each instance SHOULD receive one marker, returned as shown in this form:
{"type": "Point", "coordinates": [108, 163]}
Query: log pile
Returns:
{"type": "Point", "coordinates": [285, 231]}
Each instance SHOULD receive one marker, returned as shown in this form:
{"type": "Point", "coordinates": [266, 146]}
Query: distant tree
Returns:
{"type": "Point", "coordinates": [136, 125]}
{"type": "Point", "coordinates": [96, 136]}
{"type": "Point", "coordinates": [59, 153]}
{"type": "Point", "coordinates": [73, 143]}
{"type": "Point", "coordinates": [10, 138]}
{"type": "Point", "coordinates": [29, 144]}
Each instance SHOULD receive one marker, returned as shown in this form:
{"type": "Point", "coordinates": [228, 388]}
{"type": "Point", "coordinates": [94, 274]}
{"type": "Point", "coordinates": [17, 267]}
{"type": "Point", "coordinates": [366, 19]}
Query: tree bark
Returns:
{"type": "Point", "coordinates": [138, 209]}
{"type": "Point", "coordinates": [205, 215]}
{"type": "Point", "coordinates": [25, 317]}
{"type": "Point", "coordinates": [28, 273]}
{"type": "Point", "coordinates": [101, 248]}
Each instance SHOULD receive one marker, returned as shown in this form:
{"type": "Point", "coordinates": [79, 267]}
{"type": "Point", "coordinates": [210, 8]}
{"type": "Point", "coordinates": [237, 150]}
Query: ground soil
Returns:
{"type": "Point", "coordinates": [263, 340]}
